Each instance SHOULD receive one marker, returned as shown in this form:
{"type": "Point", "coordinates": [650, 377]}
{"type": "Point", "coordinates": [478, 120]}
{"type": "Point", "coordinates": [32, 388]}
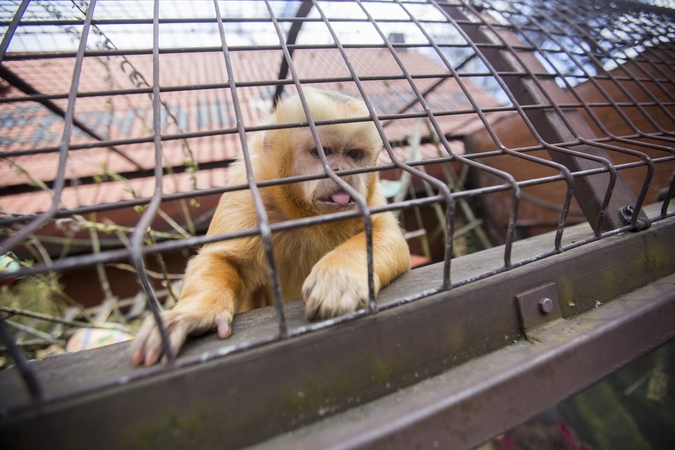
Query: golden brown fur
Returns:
{"type": "Point", "coordinates": [324, 264]}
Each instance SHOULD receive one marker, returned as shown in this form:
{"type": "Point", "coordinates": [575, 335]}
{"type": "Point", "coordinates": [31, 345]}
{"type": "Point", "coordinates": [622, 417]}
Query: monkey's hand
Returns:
{"type": "Point", "coordinates": [337, 285]}
{"type": "Point", "coordinates": [206, 302]}
{"type": "Point", "coordinates": [179, 322]}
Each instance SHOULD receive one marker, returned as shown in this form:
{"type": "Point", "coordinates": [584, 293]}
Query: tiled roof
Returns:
{"type": "Point", "coordinates": [29, 125]}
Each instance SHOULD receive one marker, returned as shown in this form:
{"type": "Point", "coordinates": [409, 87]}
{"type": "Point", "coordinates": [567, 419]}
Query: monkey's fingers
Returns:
{"type": "Point", "coordinates": [177, 333]}
{"type": "Point", "coordinates": [224, 324]}
{"type": "Point", "coordinates": [139, 342]}
{"type": "Point", "coordinates": [311, 304]}
{"type": "Point", "coordinates": [153, 347]}
{"type": "Point", "coordinates": [148, 347]}
{"type": "Point", "coordinates": [177, 329]}
{"type": "Point", "coordinates": [328, 292]}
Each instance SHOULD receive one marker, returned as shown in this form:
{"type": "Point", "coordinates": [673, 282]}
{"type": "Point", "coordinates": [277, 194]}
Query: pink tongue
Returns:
{"type": "Point", "coordinates": [341, 198]}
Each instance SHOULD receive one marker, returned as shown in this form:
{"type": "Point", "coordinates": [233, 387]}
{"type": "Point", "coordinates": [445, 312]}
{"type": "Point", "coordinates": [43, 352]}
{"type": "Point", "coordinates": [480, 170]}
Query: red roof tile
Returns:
{"type": "Point", "coordinates": [28, 125]}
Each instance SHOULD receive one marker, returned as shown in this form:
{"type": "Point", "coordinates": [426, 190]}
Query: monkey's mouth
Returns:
{"type": "Point", "coordinates": [338, 199]}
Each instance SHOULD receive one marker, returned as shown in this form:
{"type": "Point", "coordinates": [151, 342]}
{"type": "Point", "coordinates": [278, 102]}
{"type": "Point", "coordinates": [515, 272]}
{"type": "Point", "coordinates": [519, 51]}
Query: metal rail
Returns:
{"type": "Point", "coordinates": [467, 406]}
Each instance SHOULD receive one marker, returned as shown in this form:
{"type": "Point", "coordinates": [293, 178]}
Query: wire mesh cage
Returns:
{"type": "Point", "coordinates": [121, 122]}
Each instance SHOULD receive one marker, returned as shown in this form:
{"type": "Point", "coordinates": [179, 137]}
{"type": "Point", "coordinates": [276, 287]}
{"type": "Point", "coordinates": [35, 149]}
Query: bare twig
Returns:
{"type": "Point", "coordinates": [48, 318]}
{"type": "Point", "coordinates": [30, 343]}
{"type": "Point", "coordinates": [30, 330]}
{"type": "Point", "coordinates": [103, 277]}
{"type": "Point", "coordinates": [110, 227]}
{"type": "Point", "coordinates": [167, 281]}
{"type": "Point", "coordinates": [151, 273]}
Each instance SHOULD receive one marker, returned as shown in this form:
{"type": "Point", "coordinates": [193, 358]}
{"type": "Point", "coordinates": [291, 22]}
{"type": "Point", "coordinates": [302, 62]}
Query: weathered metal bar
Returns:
{"type": "Point", "coordinates": [332, 79]}
{"type": "Point", "coordinates": [263, 221]}
{"type": "Point", "coordinates": [30, 379]}
{"type": "Point", "coordinates": [303, 11]}
{"type": "Point", "coordinates": [218, 395]}
{"type": "Point", "coordinates": [13, 25]}
{"type": "Point", "coordinates": [136, 256]}
{"type": "Point", "coordinates": [131, 175]}
{"type": "Point", "coordinates": [5, 221]}
{"type": "Point", "coordinates": [589, 192]}
{"type": "Point", "coordinates": [467, 406]}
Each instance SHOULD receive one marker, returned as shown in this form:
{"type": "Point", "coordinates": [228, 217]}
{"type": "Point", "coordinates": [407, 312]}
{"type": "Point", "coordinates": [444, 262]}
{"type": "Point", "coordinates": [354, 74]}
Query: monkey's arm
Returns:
{"type": "Point", "coordinates": [208, 300]}
{"type": "Point", "coordinates": [338, 283]}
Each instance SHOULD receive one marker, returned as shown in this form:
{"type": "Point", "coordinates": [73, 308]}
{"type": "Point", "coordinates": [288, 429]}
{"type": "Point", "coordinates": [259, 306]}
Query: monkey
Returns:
{"type": "Point", "coordinates": [324, 264]}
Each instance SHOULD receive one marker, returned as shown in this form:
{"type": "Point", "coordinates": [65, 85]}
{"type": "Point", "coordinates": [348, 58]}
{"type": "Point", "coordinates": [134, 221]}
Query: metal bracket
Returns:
{"type": "Point", "coordinates": [538, 306]}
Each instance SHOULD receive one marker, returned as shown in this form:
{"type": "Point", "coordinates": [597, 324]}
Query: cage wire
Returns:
{"type": "Point", "coordinates": [499, 119]}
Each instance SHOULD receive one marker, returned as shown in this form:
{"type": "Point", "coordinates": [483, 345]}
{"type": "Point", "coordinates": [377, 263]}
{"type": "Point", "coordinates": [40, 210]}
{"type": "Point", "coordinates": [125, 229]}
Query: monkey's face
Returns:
{"type": "Point", "coordinates": [347, 147]}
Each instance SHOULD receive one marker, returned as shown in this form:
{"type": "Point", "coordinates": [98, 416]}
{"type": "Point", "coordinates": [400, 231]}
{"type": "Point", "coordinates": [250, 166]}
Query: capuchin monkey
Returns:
{"type": "Point", "coordinates": [324, 264]}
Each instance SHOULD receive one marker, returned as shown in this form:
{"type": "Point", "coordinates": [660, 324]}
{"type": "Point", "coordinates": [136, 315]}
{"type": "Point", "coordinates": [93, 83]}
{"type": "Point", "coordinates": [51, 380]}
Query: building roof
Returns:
{"type": "Point", "coordinates": [195, 93]}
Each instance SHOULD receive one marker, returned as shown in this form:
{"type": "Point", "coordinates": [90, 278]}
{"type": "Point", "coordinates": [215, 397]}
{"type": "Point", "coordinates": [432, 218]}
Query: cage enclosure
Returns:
{"type": "Point", "coordinates": [528, 155]}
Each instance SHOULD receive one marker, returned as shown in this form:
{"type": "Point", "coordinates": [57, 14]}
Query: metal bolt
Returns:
{"type": "Point", "coordinates": [546, 305]}
{"type": "Point", "coordinates": [626, 214]}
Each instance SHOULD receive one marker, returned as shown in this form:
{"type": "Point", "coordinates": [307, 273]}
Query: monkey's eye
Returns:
{"type": "Point", "coordinates": [355, 154]}
{"type": "Point", "coordinates": [315, 152]}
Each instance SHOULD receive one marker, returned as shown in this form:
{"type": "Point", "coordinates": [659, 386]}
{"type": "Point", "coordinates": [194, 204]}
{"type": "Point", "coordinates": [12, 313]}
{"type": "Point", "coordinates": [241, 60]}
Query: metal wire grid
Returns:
{"type": "Point", "coordinates": [564, 38]}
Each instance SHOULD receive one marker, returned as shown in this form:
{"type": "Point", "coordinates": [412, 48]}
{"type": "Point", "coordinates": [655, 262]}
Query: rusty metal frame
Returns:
{"type": "Point", "coordinates": [582, 160]}
{"type": "Point", "coordinates": [467, 406]}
